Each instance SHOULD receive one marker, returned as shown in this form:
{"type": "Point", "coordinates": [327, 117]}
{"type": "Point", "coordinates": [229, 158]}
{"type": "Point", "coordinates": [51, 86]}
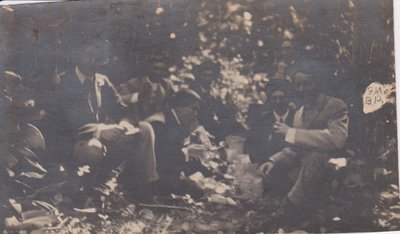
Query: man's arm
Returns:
{"type": "Point", "coordinates": [284, 157]}
{"type": "Point", "coordinates": [332, 138]}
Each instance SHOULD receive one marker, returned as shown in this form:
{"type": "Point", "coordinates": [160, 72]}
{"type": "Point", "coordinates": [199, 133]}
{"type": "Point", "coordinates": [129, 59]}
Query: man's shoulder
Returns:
{"type": "Point", "coordinates": [335, 103]}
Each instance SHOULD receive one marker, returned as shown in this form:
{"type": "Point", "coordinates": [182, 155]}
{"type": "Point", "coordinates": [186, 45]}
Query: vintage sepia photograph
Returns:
{"type": "Point", "coordinates": [198, 116]}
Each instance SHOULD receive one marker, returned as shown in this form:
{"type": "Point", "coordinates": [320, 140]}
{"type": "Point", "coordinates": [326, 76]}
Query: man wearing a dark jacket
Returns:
{"type": "Point", "coordinates": [216, 117]}
{"type": "Point", "coordinates": [261, 141]}
{"type": "Point", "coordinates": [172, 127]}
{"type": "Point", "coordinates": [88, 125]}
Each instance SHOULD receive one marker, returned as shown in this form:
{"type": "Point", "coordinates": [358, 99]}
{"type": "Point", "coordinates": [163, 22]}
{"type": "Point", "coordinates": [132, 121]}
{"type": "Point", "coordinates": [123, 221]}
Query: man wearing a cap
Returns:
{"type": "Point", "coordinates": [261, 141]}
{"type": "Point", "coordinates": [319, 132]}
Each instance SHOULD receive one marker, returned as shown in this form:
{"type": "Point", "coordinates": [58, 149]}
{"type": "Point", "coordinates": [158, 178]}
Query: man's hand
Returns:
{"type": "Point", "coordinates": [281, 128]}
{"type": "Point", "coordinates": [266, 168]}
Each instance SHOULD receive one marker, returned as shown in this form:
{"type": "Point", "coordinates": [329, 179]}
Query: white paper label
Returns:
{"type": "Point", "coordinates": [377, 95]}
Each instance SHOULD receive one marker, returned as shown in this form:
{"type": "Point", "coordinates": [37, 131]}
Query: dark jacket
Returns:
{"type": "Point", "coordinates": [218, 118]}
{"type": "Point", "coordinates": [67, 109]}
{"type": "Point", "coordinates": [261, 142]}
{"type": "Point", "coordinates": [169, 138]}
{"type": "Point", "coordinates": [171, 162]}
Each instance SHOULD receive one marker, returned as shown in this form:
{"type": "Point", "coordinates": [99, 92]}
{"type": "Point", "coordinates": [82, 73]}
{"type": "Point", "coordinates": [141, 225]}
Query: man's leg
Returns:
{"type": "Point", "coordinates": [146, 149]}
{"type": "Point", "coordinates": [140, 168]}
{"type": "Point", "coordinates": [309, 184]}
{"type": "Point", "coordinates": [279, 181]}
{"type": "Point", "coordinates": [146, 160]}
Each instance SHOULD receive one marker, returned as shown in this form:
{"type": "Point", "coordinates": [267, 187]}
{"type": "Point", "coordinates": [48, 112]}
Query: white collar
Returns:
{"type": "Point", "coordinates": [283, 117]}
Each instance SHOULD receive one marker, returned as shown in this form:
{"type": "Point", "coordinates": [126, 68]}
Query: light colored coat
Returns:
{"type": "Point", "coordinates": [322, 127]}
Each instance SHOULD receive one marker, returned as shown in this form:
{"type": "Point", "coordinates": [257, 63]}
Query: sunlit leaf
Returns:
{"type": "Point", "coordinates": [338, 162]}
{"type": "Point", "coordinates": [12, 74]}
{"type": "Point", "coordinates": [32, 175]}
{"type": "Point", "coordinates": [159, 10]}
{"type": "Point", "coordinates": [83, 170]}
{"type": "Point", "coordinates": [36, 165]}
{"type": "Point", "coordinates": [17, 206]}
{"type": "Point", "coordinates": [147, 214]}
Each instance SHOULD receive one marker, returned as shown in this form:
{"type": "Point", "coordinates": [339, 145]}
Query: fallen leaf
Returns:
{"type": "Point", "coordinates": [222, 188]}
{"type": "Point", "coordinates": [104, 217]}
{"type": "Point", "coordinates": [204, 227]}
{"type": "Point", "coordinates": [38, 218]}
{"type": "Point", "coordinates": [12, 222]}
{"type": "Point", "coordinates": [33, 137]}
{"type": "Point", "coordinates": [86, 210]}
{"type": "Point", "coordinates": [395, 187]}
{"type": "Point", "coordinates": [216, 198]}
{"type": "Point", "coordinates": [83, 170]}
{"type": "Point", "coordinates": [229, 177]}
{"type": "Point", "coordinates": [17, 207]}
{"type": "Point", "coordinates": [197, 177]}
{"type": "Point", "coordinates": [112, 183]}
{"type": "Point", "coordinates": [387, 195]}
{"type": "Point", "coordinates": [147, 214]}
{"type": "Point", "coordinates": [45, 205]}
{"type": "Point", "coordinates": [32, 175]}
{"type": "Point", "coordinates": [10, 173]}
{"type": "Point", "coordinates": [12, 74]}
{"type": "Point", "coordinates": [338, 162]}
{"type": "Point", "coordinates": [27, 152]}
{"type": "Point", "coordinates": [36, 165]}
{"type": "Point", "coordinates": [382, 223]}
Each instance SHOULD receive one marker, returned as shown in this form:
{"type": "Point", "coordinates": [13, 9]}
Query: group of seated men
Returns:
{"type": "Point", "coordinates": [141, 123]}
{"type": "Point", "coordinates": [291, 137]}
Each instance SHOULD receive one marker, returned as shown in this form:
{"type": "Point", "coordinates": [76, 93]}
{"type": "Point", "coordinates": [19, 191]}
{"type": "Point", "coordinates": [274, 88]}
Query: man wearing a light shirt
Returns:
{"type": "Point", "coordinates": [320, 129]}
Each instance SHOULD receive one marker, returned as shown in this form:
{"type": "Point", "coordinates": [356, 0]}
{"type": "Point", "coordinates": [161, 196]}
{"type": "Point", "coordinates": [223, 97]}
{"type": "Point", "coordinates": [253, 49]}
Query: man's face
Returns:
{"type": "Point", "coordinates": [152, 99]}
{"type": "Point", "coordinates": [92, 59]}
{"type": "Point", "coordinates": [305, 86]}
{"type": "Point", "coordinates": [279, 100]}
{"type": "Point", "coordinates": [159, 70]}
{"type": "Point", "coordinates": [207, 77]}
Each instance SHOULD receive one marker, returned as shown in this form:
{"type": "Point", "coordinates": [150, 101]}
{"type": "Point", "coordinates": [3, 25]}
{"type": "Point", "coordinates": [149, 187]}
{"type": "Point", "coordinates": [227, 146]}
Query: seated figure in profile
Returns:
{"type": "Point", "coordinates": [319, 132]}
